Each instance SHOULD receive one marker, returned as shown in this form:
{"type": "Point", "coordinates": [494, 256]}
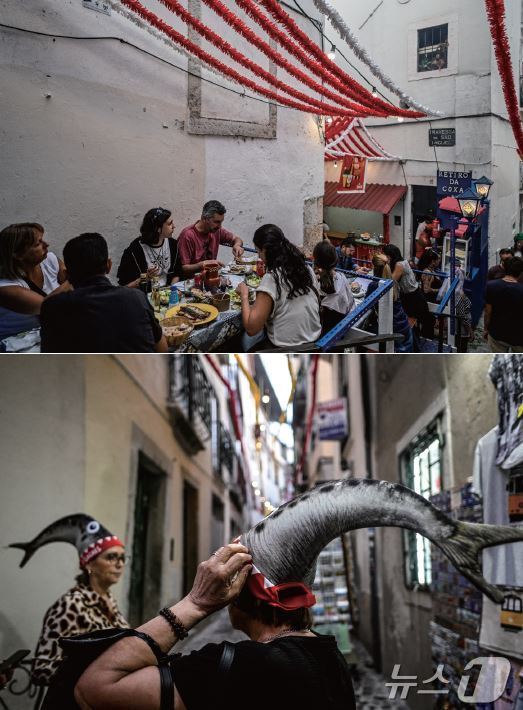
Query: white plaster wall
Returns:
{"type": "Point", "coordinates": [484, 145]}
{"type": "Point", "coordinates": [110, 142]}
{"type": "Point", "coordinates": [42, 479]}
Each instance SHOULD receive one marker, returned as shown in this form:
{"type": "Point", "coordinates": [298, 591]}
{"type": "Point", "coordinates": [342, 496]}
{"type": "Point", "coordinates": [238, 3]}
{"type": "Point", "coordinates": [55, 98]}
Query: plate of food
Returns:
{"type": "Point", "coordinates": [235, 268]}
{"type": "Point", "coordinates": [365, 236]}
{"type": "Point", "coordinates": [250, 259]}
{"type": "Point", "coordinates": [253, 280]}
{"type": "Point", "coordinates": [200, 296]}
{"type": "Point", "coordinates": [196, 314]}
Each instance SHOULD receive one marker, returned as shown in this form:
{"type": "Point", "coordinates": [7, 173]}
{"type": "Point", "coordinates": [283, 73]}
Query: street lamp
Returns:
{"type": "Point", "coordinates": [469, 203]}
{"type": "Point", "coordinates": [482, 186]}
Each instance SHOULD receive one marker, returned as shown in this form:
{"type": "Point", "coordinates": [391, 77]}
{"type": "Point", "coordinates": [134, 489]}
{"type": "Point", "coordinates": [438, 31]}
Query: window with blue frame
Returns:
{"type": "Point", "coordinates": [421, 470]}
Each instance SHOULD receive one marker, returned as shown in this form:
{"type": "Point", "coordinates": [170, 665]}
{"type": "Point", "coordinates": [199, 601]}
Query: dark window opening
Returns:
{"type": "Point", "coordinates": [433, 47]}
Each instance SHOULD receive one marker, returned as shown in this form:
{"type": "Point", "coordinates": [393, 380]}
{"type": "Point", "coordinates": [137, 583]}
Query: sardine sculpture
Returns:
{"type": "Point", "coordinates": [285, 545]}
{"type": "Point", "coordinates": [78, 529]}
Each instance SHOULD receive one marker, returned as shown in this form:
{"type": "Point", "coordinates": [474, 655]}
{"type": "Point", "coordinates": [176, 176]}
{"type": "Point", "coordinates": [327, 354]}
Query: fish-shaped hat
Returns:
{"type": "Point", "coordinates": [285, 545]}
{"type": "Point", "coordinates": [88, 536]}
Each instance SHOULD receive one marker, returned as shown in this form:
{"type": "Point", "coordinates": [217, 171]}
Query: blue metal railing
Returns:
{"type": "Point", "coordinates": [446, 298]}
{"type": "Point", "coordinates": [333, 336]}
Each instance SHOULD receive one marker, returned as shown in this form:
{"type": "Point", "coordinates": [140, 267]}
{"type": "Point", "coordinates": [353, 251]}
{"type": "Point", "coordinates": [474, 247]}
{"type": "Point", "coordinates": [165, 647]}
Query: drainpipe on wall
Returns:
{"type": "Point", "coordinates": [373, 572]}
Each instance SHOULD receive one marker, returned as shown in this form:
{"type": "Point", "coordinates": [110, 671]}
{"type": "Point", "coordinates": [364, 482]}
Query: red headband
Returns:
{"type": "Point", "coordinates": [289, 596]}
{"type": "Point", "coordinates": [96, 548]}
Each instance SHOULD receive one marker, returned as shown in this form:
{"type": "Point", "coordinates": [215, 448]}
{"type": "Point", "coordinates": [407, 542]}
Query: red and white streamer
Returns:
{"type": "Point", "coordinates": [208, 59]}
{"type": "Point", "coordinates": [242, 29]}
{"type": "Point", "coordinates": [215, 39]}
{"type": "Point", "coordinates": [365, 96]}
{"type": "Point", "coordinates": [496, 17]}
{"type": "Point", "coordinates": [347, 36]}
{"type": "Point", "coordinates": [353, 138]}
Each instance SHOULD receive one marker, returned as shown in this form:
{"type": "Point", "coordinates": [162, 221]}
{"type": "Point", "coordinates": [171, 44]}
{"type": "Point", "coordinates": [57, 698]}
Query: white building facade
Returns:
{"type": "Point", "coordinates": [442, 56]}
{"type": "Point", "coordinates": [101, 121]}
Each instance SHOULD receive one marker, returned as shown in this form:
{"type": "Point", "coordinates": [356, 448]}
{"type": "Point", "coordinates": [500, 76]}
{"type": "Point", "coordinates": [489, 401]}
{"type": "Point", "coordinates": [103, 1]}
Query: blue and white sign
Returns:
{"type": "Point", "coordinates": [332, 418]}
{"type": "Point", "coordinates": [452, 184]}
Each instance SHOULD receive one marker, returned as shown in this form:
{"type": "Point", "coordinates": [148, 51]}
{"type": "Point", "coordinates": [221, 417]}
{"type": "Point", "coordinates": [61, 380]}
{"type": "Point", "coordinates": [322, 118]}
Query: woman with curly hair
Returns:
{"type": "Point", "coordinates": [154, 252]}
{"type": "Point", "coordinates": [287, 300]}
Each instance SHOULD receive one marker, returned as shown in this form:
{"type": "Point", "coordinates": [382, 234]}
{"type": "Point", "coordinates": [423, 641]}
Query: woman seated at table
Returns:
{"type": "Point", "coordinates": [400, 322]}
{"type": "Point", "coordinates": [287, 300]}
{"type": "Point", "coordinates": [335, 290]}
{"type": "Point", "coordinates": [154, 252]}
{"type": "Point", "coordinates": [412, 299]}
{"type": "Point", "coordinates": [28, 273]}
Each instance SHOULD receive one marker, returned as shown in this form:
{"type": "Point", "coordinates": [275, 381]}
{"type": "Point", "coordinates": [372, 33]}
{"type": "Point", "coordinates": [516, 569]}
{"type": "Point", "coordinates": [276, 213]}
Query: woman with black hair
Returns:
{"type": "Point", "coordinates": [154, 252]}
{"type": "Point", "coordinates": [287, 300]}
{"type": "Point", "coordinates": [412, 298]}
{"type": "Point", "coordinates": [336, 295]}
{"type": "Point", "coordinates": [430, 284]}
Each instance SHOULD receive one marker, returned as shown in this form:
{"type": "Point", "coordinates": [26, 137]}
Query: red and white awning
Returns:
{"type": "Point", "coordinates": [350, 137]}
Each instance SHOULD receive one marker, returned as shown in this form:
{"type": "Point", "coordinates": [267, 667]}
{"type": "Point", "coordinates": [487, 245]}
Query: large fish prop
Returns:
{"type": "Point", "coordinates": [79, 529]}
{"type": "Point", "coordinates": [286, 544]}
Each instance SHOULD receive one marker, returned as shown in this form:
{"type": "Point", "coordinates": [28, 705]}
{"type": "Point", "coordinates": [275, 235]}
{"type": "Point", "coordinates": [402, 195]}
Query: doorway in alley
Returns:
{"type": "Point", "coordinates": [424, 200]}
{"type": "Point", "coordinates": [190, 535]}
{"type": "Point", "coordinates": [147, 550]}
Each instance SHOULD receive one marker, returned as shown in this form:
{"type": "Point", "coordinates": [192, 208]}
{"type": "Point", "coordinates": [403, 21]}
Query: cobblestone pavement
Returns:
{"type": "Point", "coordinates": [369, 686]}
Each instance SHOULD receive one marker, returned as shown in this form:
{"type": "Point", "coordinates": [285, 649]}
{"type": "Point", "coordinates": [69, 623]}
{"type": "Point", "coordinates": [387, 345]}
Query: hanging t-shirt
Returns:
{"type": "Point", "coordinates": [506, 372]}
{"type": "Point", "coordinates": [293, 321]}
{"type": "Point", "coordinates": [502, 564]}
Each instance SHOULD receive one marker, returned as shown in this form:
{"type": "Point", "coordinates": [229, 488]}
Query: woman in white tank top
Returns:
{"type": "Point", "coordinates": [28, 273]}
{"type": "Point", "coordinates": [412, 299]}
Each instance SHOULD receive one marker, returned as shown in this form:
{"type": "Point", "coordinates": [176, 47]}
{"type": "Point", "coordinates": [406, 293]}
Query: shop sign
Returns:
{"type": "Point", "coordinates": [442, 136]}
{"type": "Point", "coordinates": [352, 178]}
{"type": "Point", "coordinates": [332, 417]}
{"type": "Point", "coordinates": [453, 183]}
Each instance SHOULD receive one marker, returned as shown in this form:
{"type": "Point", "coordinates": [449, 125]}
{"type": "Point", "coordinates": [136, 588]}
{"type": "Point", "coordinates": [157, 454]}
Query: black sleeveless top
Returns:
{"type": "Point", "coordinates": [289, 673]}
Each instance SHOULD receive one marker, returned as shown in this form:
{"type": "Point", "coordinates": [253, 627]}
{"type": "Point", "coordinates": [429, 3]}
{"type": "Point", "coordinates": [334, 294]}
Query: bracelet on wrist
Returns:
{"type": "Point", "coordinates": [174, 622]}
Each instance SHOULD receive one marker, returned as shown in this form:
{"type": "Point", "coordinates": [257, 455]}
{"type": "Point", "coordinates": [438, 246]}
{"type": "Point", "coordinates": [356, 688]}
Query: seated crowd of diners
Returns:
{"type": "Point", "coordinates": [72, 306]}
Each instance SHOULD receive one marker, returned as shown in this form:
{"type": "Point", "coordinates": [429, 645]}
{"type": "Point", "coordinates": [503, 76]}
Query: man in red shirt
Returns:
{"type": "Point", "coordinates": [198, 244]}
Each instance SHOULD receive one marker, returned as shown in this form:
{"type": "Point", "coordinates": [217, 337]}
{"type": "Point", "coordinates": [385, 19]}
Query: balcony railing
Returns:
{"type": "Point", "coordinates": [191, 400]}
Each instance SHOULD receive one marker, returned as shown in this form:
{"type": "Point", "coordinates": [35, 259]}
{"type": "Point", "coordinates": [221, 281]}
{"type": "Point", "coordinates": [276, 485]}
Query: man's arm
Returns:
{"type": "Point", "coordinates": [191, 269]}
{"type": "Point", "coordinates": [233, 240]}
{"type": "Point", "coordinates": [126, 675]}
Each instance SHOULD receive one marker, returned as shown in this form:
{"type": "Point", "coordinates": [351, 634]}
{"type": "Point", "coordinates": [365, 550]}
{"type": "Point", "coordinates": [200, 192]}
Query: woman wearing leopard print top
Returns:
{"type": "Point", "coordinates": [89, 605]}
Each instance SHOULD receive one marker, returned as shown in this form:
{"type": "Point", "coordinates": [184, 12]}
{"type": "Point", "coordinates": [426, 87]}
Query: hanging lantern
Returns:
{"type": "Point", "coordinates": [469, 202]}
{"type": "Point", "coordinates": [482, 187]}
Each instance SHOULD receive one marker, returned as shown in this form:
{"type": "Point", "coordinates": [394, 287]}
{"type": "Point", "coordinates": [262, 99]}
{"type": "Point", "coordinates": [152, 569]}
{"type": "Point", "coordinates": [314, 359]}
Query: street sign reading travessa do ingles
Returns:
{"type": "Point", "coordinates": [452, 184]}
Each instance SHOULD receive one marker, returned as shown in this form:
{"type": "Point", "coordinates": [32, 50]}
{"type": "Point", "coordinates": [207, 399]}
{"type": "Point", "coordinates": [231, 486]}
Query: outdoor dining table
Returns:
{"type": "Point", "coordinates": [212, 336]}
